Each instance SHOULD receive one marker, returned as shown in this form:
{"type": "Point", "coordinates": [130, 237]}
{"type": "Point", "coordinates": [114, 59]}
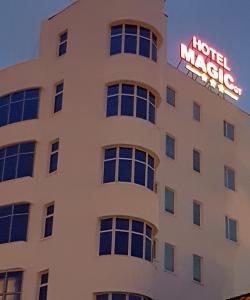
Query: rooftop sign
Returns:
{"type": "Point", "coordinates": [211, 66]}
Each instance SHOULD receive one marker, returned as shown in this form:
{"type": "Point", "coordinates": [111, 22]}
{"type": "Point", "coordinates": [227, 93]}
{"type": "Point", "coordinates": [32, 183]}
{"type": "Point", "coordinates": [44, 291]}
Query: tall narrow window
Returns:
{"type": "Point", "coordinates": [229, 178]}
{"type": "Point", "coordinates": [54, 157]}
{"type": "Point", "coordinates": [196, 161]}
{"type": "Point", "coordinates": [231, 229]}
{"type": "Point", "coordinates": [58, 97]}
{"type": "Point", "coordinates": [11, 285]}
{"type": "Point", "coordinates": [63, 41]}
{"type": "Point", "coordinates": [170, 96]}
{"type": "Point", "coordinates": [49, 220]}
{"type": "Point", "coordinates": [169, 258]}
{"type": "Point", "coordinates": [170, 147]}
{"type": "Point", "coordinates": [196, 213]}
{"type": "Point", "coordinates": [43, 288]}
{"type": "Point", "coordinates": [196, 112]}
{"type": "Point", "coordinates": [169, 200]}
{"type": "Point", "coordinates": [228, 130]}
{"type": "Point", "coordinates": [197, 268]}
{"type": "Point", "coordinates": [17, 161]}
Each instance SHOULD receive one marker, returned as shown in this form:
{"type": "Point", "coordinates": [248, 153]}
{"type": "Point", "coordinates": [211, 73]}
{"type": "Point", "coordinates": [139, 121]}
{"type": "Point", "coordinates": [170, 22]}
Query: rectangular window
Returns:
{"type": "Point", "coordinates": [43, 285]}
{"type": "Point", "coordinates": [49, 220]}
{"type": "Point", "coordinates": [229, 177]}
{"type": "Point", "coordinates": [170, 147]}
{"type": "Point", "coordinates": [63, 41]}
{"type": "Point", "coordinates": [170, 96]}
{"type": "Point", "coordinates": [196, 213]}
{"type": "Point", "coordinates": [231, 229]}
{"type": "Point", "coordinates": [11, 285]}
{"type": "Point", "coordinates": [196, 112]}
{"type": "Point", "coordinates": [58, 97]}
{"type": "Point", "coordinates": [197, 268]}
{"type": "Point", "coordinates": [228, 130]}
{"type": "Point", "coordinates": [169, 258]}
{"type": "Point", "coordinates": [196, 161]}
{"type": "Point", "coordinates": [54, 153]}
{"type": "Point", "coordinates": [169, 200]}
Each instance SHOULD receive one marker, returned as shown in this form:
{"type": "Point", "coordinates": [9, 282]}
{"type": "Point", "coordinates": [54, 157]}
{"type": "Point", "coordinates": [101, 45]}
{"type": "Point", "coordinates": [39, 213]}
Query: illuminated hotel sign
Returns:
{"type": "Point", "coordinates": [211, 66]}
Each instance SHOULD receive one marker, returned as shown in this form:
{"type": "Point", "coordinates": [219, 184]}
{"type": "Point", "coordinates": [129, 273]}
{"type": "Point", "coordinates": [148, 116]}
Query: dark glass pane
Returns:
{"type": "Point", "coordinates": [27, 147]}
{"type": "Point", "coordinates": [127, 105]}
{"type": "Point", "coordinates": [148, 231]}
{"type": "Point", "coordinates": [116, 296]}
{"type": "Point", "coordinates": [121, 243]}
{"type": "Point", "coordinates": [130, 44]}
{"type": "Point", "coordinates": [150, 183]}
{"type": "Point", "coordinates": [53, 162]}
{"type": "Point", "coordinates": [125, 170]}
{"type": "Point", "coordinates": [105, 243]}
{"type": "Point", "coordinates": [5, 210]}
{"type": "Point", "coordinates": [128, 89]}
{"type": "Point", "coordinates": [196, 111]}
{"type": "Point", "coordinates": [151, 161]}
{"type": "Point", "coordinates": [58, 103]}
{"type": "Point", "coordinates": [106, 224]}
{"type": "Point", "coordinates": [109, 171]}
{"type": "Point", "coordinates": [2, 152]}
{"type": "Point", "coordinates": [1, 169]}
{"type": "Point", "coordinates": [169, 258]}
{"type": "Point", "coordinates": [50, 210]}
{"type": "Point", "coordinates": [10, 168]}
{"type": "Point", "coordinates": [137, 226]}
{"type": "Point", "coordinates": [18, 96]}
{"type": "Point", "coordinates": [116, 45]}
{"type": "Point", "coordinates": [59, 88]}
{"type": "Point", "coordinates": [137, 245]}
{"type": "Point", "coordinates": [110, 153]}
{"type": "Point", "coordinates": [25, 165]}
{"type": "Point", "coordinates": [32, 94]}
{"type": "Point", "coordinates": [102, 297]}
{"type": "Point", "coordinates": [131, 29]}
{"type": "Point", "coordinates": [140, 170]}
{"type": "Point", "coordinates": [43, 293]}
{"type": "Point", "coordinates": [134, 297]}
{"type": "Point", "coordinates": [113, 89]}
{"type": "Point", "coordinates": [17, 278]}
{"type": "Point", "coordinates": [140, 155]}
{"type": "Point", "coordinates": [12, 150]}
{"type": "Point", "coordinates": [21, 208]}
{"type": "Point", "coordinates": [45, 278]}
{"type": "Point", "coordinates": [154, 53]}
{"type": "Point", "coordinates": [116, 29]}
{"type": "Point", "coordinates": [141, 92]}
{"type": "Point", "coordinates": [112, 106]}
{"type": "Point", "coordinates": [144, 47]}
{"type": "Point", "coordinates": [196, 161]}
{"type": "Point", "coordinates": [151, 113]}
{"type": "Point", "coordinates": [148, 250]}
{"type": "Point", "coordinates": [232, 230]}
{"type": "Point", "coordinates": [5, 100]}
{"type": "Point", "coordinates": [169, 201]}
{"type": "Point", "coordinates": [4, 111]}
{"type": "Point", "coordinates": [62, 49]}
{"type": "Point", "coordinates": [30, 109]}
{"type": "Point", "coordinates": [196, 214]}
{"type": "Point", "coordinates": [4, 229]}
{"type": "Point", "coordinates": [122, 224]}
{"type": "Point", "coordinates": [170, 96]}
{"type": "Point", "coordinates": [170, 147]}
{"type": "Point", "coordinates": [19, 228]}
{"type": "Point", "coordinates": [196, 268]}
{"type": "Point", "coordinates": [16, 111]}
{"type": "Point", "coordinates": [64, 36]}
{"type": "Point", "coordinates": [144, 32]}
{"type": "Point", "coordinates": [55, 146]}
{"type": "Point", "coordinates": [48, 226]}
{"type": "Point", "coordinates": [125, 152]}
{"type": "Point", "coordinates": [141, 108]}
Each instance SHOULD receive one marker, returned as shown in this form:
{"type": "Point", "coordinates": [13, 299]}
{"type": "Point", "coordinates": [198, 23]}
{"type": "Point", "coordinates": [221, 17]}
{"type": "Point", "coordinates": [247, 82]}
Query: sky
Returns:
{"type": "Point", "coordinates": [225, 24]}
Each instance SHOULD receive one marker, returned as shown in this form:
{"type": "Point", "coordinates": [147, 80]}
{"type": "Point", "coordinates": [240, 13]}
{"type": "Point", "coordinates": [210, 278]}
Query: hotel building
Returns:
{"type": "Point", "coordinates": [121, 178]}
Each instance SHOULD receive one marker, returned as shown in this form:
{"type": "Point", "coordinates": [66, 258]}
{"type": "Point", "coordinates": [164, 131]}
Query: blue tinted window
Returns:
{"type": "Point", "coordinates": [141, 108]}
{"type": "Point", "coordinates": [170, 147]}
{"type": "Point", "coordinates": [54, 157]}
{"type": "Point", "coordinates": [122, 224]}
{"type": "Point", "coordinates": [196, 161]}
{"type": "Point", "coordinates": [170, 96]}
{"type": "Point", "coordinates": [137, 245]}
{"type": "Point", "coordinates": [112, 106]}
{"type": "Point", "coordinates": [49, 220]}
{"type": "Point", "coordinates": [144, 47]}
{"type": "Point", "coordinates": [118, 296]}
{"type": "Point", "coordinates": [231, 229]}
{"type": "Point", "coordinates": [106, 224]}
{"type": "Point", "coordinates": [148, 250]}
{"type": "Point", "coordinates": [62, 48]}
{"type": "Point", "coordinates": [19, 106]}
{"type": "Point", "coordinates": [102, 297]}
{"type": "Point", "coordinates": [134, 297]}
{"type": "Point", "coordinates": [130, 39]}
{"type": "Point", "coordinates": [196, 213]}
{"type": "Point", "coordinates": [169, 201]}
{"type": "Point", "coordinates": [121, 243]}
{"type": "Point", "coordinates": [11, 285]}
{"type": "Point", "coordinates": [105, 243]}
{"type": "Point", "coordinates": [138, 226]}
{"type": "Point", "coordinates": [127, 105]}
{"type": "Point", "coordinates": [43, 286]}
{"type": "Point", "coordinates": [58, 98]}
{"type": "Point", "coordinates": [134, 165]}
{"type": "Point", "coordinates": [169, 258]}
{"type": "Point", "coordinates": [17, 161]}
{"type": "Point", "coordinates": [14, 223]}
{"type": "Point", "coordinates": [196, 268]}
{"type": "Point", "coordinates": [116, 45]}
{"type": "Point", "coordinates": [229, 176]}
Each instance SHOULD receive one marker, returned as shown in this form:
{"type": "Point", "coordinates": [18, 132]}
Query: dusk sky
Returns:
{"type": "Point", "coordinates": [225, 24]}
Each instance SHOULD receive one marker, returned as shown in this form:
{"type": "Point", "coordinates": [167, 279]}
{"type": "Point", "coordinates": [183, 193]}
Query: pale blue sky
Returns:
{"type": "Point", "coordinates": [223, 23]}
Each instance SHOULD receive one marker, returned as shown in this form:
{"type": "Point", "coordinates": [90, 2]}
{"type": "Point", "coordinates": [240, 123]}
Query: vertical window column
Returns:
{"type": "Point", "coordinates": [231, 229]}
{"type": "Point", "coordinates": [43, 289]}
{"type": "Point", "coordinates": [170, 146]}
{"type": "Point", "coordinates": [11, 285]}
{"type": "Point", "coordinates": [197, 268]}
{"type": "Point", "coordinates": [169, 200]}
{"type": "Point", "coordinates": [54, 157]}
{"type": "Point", "coordinates": [196, 161]}
{"type": "Point", "coordinates": [58, 97]}
{"type": "Point", "coordinates": [49, 220]}
{"type": "Point", "coordinates": [63, 41]}
{"type": "Point", "coordinates": [196, 213]}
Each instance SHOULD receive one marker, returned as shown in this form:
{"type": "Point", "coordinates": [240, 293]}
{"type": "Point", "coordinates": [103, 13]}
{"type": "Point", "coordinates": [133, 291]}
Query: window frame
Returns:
{"type": "Point", "coordinates": [127, 295]}
{"type": "Point", "coordinates": [168, 155]}
{"type": "Point", "coordinates": [173, 248]}
{"type": "Point", "coordinates": [228, 232]}
{"type": "Point", "coordinates": [201, 269]}
{"type": "Point", "coordinates": [59, 43]}
{"type": "Point", "coordinates": [226, 178]}
{"type": "Point", "coordinates": [196, 202]}
{"type": "Point", "coordinates": [171, 89]}
{"type": "Point", "coordinates": [196, 170]}
{"type": "Point", "coordinates": [55, 94]}
{"type": "Point", "coordinates": [45, 217]}
{"type": "Point", "coordinates": [40, 285]}
{"type": "Point", "coordinates": [226, 130]}
{"type": "Point", "coordinates": [51, 153]}
{"type": "Point", "coordinates": [5, 292]}
{"type": "Point", "coordinates": [196, 105]}
{"type": "Point", "coordinates": [167, 188]}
